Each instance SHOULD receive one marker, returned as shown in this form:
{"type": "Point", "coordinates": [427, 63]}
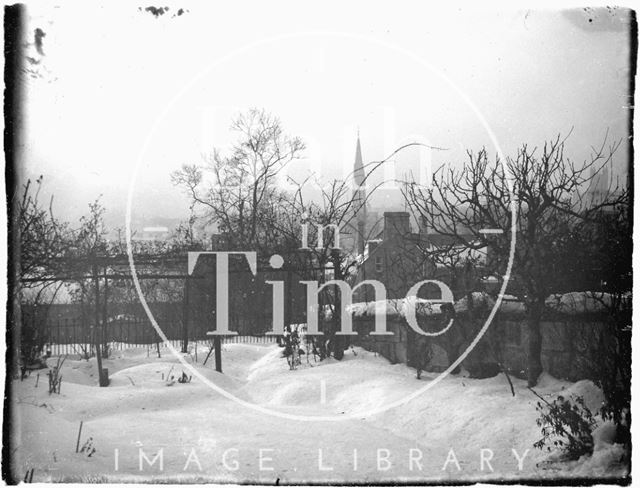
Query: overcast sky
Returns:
{"type": "Point", "coordinates": [113, 76]}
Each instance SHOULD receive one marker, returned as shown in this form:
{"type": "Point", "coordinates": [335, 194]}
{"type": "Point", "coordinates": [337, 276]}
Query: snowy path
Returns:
{"type": "Point", "coordinates": [206, 437]}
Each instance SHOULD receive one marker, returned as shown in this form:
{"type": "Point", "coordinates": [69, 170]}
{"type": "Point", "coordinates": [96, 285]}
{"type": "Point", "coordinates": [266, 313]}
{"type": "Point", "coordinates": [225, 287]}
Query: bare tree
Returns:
{"type": "Point", "coordinates": [237, 192]}
{"type": "Point", "coordinates": [86, 260]}
{"type": "Point", "coordinates": [324, 259]}
{"type": "Point", "coordinates": [550, 195]}
{"type": "Point", "coordinates": [234, 191]}
{"type": "Point", "coordinates": [43, 240]}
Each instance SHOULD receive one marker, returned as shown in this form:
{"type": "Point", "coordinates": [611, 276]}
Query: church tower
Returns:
{"type": "Point", "coordinates": [359, 201]}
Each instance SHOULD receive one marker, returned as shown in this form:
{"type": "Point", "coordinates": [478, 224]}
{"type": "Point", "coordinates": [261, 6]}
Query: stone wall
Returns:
{"type": "Point", "coordinates": [393, 347]}
{"type": "Point", "coordinates": [565, 342]}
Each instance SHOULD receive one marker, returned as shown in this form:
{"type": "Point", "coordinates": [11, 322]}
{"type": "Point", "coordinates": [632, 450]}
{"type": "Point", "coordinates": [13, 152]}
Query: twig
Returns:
{"type": "Point", "coordinates": [209, 354]}
{"type": "Point", "coordinates": [536, 394]}
{"type": "Point", "coordinates": [169, 373]}
{"type": "Point", "coordinates": [79, 433]}
{"type": "Point", "coordinates": [504, 370]}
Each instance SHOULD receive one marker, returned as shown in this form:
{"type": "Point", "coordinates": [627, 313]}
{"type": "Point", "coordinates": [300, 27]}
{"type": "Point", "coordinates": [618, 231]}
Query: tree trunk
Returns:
{"type": "Point", "coordinates": [104, 339]}
{"type": "Point", "coordinates": [337, 341]}
{"type": "Point", "coordinates": [534, 343]}
{"type": "Point", "coordinates": [97, 332]}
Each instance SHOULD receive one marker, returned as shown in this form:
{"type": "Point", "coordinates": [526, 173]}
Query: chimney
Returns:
{"type": "Point", "coordinates": [423, 227]}
{"type": "Point", "coordinates": [396, 225]}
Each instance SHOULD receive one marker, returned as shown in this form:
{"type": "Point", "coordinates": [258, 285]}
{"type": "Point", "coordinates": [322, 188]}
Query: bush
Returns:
{"type": "Point", "coordinates": [605, 358]}
{"type": "Point", "coordinates": [565, 425]}
{"type": "Point", "coordinates": [55, 378]}
{"type": "Point", "coordinates": [32, 341]}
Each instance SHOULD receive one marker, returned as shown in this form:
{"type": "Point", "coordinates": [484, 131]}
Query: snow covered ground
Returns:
{"type": "Point", "coordinates": [460, 429]}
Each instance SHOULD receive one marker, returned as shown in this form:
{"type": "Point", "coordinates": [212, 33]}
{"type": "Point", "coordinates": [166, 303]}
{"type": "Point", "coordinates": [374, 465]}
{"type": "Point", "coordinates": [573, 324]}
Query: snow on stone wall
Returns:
{"type": "Point", "coordinates": [395, 308]}
{"type": "Point", "coordinates": [573, 303]}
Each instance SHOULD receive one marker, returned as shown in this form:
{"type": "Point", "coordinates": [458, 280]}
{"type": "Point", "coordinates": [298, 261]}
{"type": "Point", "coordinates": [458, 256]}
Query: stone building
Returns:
{"type": "Point", "coordinates": [399, 257]}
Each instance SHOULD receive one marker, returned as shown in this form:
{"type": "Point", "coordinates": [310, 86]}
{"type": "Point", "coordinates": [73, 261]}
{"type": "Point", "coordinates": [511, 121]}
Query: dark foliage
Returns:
{"type": "Point", "coordinates": [566, 426]}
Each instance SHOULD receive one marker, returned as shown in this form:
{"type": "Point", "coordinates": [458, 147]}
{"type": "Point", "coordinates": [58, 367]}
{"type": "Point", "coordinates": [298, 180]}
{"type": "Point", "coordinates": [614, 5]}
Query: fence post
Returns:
{"type": "Point", "coordinates": [217, 341]}
{"type": "Point", "coordinates": [185, 316]}
{"type": "Point", "coordinates": [73, 333]}
{"type": "Point", "coordinates": [288, 311]}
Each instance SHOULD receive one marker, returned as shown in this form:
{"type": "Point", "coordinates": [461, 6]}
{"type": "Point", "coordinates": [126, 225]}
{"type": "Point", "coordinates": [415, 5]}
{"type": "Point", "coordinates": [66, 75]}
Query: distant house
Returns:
{"type": "Point", "coordinates": [399, 258]}
{"type": "Point", "coordinates": [153, 234]}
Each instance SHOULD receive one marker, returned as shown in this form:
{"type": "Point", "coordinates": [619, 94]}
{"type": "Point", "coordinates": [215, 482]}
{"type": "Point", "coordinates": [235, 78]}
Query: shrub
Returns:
{"type": "Point", "coordinates": [88, 448]}
{"type": "Point", "coordinates": [565, 424]}
{"type": "Point", "coordinates": [32, 342]}
{"type": "Point", "coordinates": [55, 378]}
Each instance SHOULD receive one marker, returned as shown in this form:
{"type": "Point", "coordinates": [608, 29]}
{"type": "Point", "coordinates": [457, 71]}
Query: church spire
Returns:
{"type": "Point", "coordinates": [358, 168]}
{"type": "Point", "coordinates": [360, 200]}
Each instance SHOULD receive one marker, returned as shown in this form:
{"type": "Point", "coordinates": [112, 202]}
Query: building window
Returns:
{"type": "Point", "coordinates": [378, 264]}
